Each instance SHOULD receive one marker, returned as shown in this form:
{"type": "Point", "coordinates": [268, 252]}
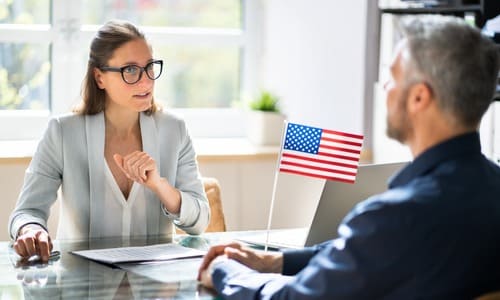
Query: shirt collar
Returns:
{"type": "Point", "coordinates": [460, 145]}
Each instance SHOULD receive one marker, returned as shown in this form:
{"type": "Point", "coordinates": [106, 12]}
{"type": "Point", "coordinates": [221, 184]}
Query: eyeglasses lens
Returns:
{"type": "Point", "coordinates": [132, 74]}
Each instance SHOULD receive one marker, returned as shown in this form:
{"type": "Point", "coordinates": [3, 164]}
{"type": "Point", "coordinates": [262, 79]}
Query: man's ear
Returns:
{"type": "Point", "coordinates": [419, 97]}
{"type": "Point", "coordinates": [98, 78]}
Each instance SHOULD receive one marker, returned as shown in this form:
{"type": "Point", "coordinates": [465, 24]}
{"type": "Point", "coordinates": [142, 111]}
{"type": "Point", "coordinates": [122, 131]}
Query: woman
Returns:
{"type": "Point", "coordinates": [124, 168]}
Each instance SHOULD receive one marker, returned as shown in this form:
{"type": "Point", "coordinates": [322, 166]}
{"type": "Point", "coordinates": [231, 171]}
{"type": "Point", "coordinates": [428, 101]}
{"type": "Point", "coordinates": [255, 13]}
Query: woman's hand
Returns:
{"type": "Point", "coordinates": [141, 167]}
{"type": "Point", "coordinates": [33, 240]}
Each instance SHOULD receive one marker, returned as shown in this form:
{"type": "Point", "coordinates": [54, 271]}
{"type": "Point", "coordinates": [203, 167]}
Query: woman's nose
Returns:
{"type": "Point", "coordinates": [386, 85]}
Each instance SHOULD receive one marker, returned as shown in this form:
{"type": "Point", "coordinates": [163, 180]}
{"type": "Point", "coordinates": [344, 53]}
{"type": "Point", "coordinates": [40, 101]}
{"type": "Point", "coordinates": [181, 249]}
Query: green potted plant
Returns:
{"type": "Point", "coordinates": [265, 102]}
{"type": "Point", "coordinates": [265, 120]}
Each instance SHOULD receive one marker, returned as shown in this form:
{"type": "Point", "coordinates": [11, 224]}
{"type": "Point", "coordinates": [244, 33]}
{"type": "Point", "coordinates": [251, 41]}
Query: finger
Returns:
{"type": "Point", "coordinates": [29, 245]}
{"type": "Point", "coordinates": [239, 255]}
{"type": "Point", "coordinates": [138, 166]}
{"type": "Point", "coordinates": [147, 164]}
{"type": "Point", "coordinates": [206, 279]}
{"type": "Point", "coordinates": [143, 164]}
{"type": "Point", "coordinates": [212, 253]}
{"type": "Point", "coordinates": [132, 164]}
{"type": "Point", "coordinates": [131, 158]}
{"type": "Point", "coordinates": [216, 251]}
{"type": "Point", "coordinates": [20, 248]}
{"type": "Point", "coordinates": [43, 246]}
{"type": "Point", "coordinates": [51, 246]}
{"type": "Point", "coordinates": [119, 162]}
{"type": "Point", "coordinates": [237, 245]}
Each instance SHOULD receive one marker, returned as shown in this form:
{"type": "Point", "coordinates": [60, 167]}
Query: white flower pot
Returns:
{"type": "Point", "coordinates": [265, 128]}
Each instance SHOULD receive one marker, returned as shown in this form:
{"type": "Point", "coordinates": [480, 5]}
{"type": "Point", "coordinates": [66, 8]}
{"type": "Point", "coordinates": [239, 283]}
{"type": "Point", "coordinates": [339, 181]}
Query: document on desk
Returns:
{"type": "Point", "coordinates": [140, 254]}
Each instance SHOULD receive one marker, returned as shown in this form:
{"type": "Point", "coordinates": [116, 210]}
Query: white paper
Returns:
{"type": "Point", "coordinates": [166, 271]}
{"type": "Point", "coordinates": [138, 254]}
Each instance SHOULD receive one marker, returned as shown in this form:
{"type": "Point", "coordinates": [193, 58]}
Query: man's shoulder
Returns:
{"type": "Point", "coordinates": [397, 201]}
{"type": "Point", "coordinates": [450, 184]}
{"type": "Point", "coordinates": [467, 175]}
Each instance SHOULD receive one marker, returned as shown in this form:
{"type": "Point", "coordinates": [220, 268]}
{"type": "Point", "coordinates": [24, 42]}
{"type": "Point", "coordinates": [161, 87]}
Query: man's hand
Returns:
{"type": "Point", "coordinates": [262, 261]}
{"type": "Point", "coordinates": [33, 240]}
{"type": "Point", "coordinates": [205, 276]}
{"type": "Point", "coordinates": [212, 254]}
{"type": "Point", "coordinates": [266, 262]}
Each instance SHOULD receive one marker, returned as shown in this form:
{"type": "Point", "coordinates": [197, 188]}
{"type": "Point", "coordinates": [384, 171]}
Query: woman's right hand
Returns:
{"type": "Point", "coordinates": [33, 240]}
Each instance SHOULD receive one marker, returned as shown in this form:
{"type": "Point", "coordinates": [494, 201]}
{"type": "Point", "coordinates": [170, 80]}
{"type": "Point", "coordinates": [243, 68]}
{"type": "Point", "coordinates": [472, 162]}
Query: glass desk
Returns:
{"type": "Point", "coordinates": [74, 277]}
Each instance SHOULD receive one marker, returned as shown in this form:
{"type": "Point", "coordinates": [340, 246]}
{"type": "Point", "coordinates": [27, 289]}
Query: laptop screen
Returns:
{"type": "Point", "coordinates": [338, 198]}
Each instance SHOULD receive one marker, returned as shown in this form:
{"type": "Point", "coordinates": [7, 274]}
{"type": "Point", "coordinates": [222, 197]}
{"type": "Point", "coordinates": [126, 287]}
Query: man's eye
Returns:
{"type": "Point", "coordinates": [130, 69]}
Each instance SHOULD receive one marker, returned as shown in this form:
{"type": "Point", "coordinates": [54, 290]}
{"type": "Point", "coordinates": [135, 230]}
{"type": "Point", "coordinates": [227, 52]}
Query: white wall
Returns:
{"type": "Point", "coordinates": [313, 54]}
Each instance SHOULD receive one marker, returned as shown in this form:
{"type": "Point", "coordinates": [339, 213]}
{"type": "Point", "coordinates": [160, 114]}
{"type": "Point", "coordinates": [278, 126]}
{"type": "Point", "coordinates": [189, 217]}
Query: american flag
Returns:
{"type": "Point", "coordinates": [321, 153]}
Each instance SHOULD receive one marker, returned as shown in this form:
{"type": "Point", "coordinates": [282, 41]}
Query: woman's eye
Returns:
{"type": "Point", "coordinates": [130, 69]}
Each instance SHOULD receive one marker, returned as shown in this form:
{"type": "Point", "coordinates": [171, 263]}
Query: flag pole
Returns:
{"type": "Point", "coordinates": [278, 161]}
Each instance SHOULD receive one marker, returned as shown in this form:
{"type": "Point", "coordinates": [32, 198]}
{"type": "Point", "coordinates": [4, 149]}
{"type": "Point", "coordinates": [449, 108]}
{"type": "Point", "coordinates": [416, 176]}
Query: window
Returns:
{"type": "Point", "coordinates": [208, 51]}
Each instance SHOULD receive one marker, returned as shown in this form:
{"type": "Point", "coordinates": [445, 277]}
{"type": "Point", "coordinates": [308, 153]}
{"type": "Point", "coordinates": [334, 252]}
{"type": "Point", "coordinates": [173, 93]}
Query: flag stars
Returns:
{"type": "Point", "coordinates": [302, 138]}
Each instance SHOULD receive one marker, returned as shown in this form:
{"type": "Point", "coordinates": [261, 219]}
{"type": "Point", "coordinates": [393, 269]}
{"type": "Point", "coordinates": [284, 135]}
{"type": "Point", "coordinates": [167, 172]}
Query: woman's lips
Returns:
{"type": "Point", "coordinates": [143, 95]}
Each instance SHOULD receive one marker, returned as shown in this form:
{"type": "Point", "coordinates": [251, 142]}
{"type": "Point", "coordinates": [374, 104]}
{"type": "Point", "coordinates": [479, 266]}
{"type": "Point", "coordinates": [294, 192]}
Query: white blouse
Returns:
{"type": "Point", "coordinates": [124, 217]}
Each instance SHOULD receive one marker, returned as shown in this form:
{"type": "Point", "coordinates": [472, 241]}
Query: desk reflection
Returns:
{"type": "Point", "coordinates": [73, 277]}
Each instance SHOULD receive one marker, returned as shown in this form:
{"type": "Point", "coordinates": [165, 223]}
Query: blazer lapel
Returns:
{"type": "Point", "coordinates": [94, 127]}
{"type": "Point", "coordinates": [150, 145]}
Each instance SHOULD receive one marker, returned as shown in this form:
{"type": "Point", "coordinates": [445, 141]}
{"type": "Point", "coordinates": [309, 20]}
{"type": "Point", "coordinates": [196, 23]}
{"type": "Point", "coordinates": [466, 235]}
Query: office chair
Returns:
{"type": "Point", "coordinates": [212, 190]}
{"type": "Point", "coordinates": [217, 220]}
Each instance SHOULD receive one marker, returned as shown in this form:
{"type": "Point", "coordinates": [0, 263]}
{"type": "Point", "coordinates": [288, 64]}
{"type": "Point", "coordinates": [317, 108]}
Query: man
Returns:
{"type": "Point", "coordinates": [435, 234]}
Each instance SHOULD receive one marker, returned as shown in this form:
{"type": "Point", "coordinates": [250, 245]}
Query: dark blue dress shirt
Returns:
{"type": "Point", "coordinates": [434, 234]}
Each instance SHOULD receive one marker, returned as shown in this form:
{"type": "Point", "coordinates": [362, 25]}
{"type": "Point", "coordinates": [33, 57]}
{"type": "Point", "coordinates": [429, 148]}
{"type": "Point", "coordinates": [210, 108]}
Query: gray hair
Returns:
{"type": "Point", "coordinates": [458, 63]}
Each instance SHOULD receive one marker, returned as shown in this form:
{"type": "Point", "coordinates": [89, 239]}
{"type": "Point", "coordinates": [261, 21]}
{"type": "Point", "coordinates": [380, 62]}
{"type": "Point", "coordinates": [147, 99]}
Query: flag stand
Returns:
{"type": "Point", "coordinates": [269, 218]}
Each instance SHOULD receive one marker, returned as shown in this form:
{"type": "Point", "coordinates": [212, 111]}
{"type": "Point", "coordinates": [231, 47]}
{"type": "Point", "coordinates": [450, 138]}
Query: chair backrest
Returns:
{"type": "Point", "coordinates": [217, 220]}
{"type": "Point", "coordinates": [212, 190]}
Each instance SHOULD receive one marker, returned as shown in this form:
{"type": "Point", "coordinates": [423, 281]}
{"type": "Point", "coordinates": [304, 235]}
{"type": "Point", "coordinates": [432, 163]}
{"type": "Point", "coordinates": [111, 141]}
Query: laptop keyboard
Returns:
{"type": "Point", "coordinates": [278, 238]}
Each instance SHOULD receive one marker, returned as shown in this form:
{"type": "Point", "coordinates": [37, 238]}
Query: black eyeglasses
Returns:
{"type": "Point", "coordinates": [133, 73]}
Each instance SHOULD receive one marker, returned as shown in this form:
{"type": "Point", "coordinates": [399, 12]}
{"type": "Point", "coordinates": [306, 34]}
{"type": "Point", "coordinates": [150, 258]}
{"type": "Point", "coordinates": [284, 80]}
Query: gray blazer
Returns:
{"type": "Point", "coordinates": [71, 156]}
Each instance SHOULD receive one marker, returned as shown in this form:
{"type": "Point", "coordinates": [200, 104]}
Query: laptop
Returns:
{"type": "Point", "coordinates": [336, 200]}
